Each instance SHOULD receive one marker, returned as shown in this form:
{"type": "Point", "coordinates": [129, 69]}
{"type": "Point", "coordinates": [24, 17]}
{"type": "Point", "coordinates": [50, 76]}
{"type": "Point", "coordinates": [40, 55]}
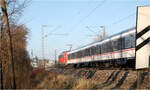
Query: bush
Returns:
{"type": "Point", "coordinates": [23, 68]}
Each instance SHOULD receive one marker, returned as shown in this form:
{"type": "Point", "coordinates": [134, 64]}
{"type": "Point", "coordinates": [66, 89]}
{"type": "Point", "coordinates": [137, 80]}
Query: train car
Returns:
{"type": "Point", "coordinates": [62, 59]}
{"type": "Point", "coordinates": [118, 48]}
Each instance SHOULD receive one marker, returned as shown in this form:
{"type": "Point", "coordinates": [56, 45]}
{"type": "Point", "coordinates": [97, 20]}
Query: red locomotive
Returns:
{"type": "Point", "coordinates": [63, 58]}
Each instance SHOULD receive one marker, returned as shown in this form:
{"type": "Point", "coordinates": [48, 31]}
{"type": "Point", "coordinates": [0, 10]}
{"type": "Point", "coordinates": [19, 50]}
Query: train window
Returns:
{"type": "Point", "coordinates": [123, 42]}
{"type": "Point", "coordinates": [89, 52]}
{"type": "Point", "coordinates": [82, 53]}
{"type": "Point", "coordinates": [85, 52]}
{"type": "Point", "coordinates": [115, 45]}
{"type": "Point", "coordinates": [119, 44]}
{"type": "Point", "coordinates": [93, 50]}
{"type": "Point", "coordinates": [106, 47]}
{"type": "Point", "coordinates": [127, 42]}
{"type": "Point", "coordinates": [79, 54]}
{"type": "Point", "coordinates": [109, 49]}
{"type": "Point", "coordinates": [103, 48]}
{"type": "Point", "coordinates": [96, 49]}
{"type": "Point", "coordinates": [99, 49]}
{"type": "Point", "coordinates": [75, 55]}
{"type": "Point", "coordinates": [72, 56]}
{"type": "Point", "coordinates": [132, 40]}
{"type": "Point", "coordinates": [69, 56]}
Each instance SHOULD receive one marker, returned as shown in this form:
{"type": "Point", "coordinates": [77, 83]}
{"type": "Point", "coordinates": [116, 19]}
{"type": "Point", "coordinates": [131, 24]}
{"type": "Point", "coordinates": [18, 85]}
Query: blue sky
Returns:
{"type": "Point", "coordinates": [71, 17]}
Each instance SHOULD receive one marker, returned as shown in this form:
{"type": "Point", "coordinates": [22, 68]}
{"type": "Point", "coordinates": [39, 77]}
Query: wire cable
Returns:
{"type": "Point", "coordinates": [91, 12]}
{"type": "Point", "coordinates": [120, 20]}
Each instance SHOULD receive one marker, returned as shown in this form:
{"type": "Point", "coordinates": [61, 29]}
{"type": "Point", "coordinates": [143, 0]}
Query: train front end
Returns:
{"type": "Point", "coordinates": [63, 58]}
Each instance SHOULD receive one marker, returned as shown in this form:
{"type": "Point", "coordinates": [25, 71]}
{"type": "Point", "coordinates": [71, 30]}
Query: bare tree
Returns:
{"type": "Point", "coordinates": [19, 35]}
{"type": "Point", "coordinates": [15, 9]}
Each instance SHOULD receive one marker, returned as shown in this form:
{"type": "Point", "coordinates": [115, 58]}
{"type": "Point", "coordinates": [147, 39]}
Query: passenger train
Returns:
{"type": "Point", "coordinates": [118, 49]}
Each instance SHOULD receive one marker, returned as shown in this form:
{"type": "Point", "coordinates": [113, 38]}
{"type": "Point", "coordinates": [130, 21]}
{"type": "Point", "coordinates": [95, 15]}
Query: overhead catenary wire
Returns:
{"type": "Point", "coordinates": [91, 30]}
{"type": "Point", "coordinates": [91, 12]}
{"type": "Point", "coordinates": [55, 29]}
{"type": "Point", "coordinates": [109, 25]}
{"type": "Point", "coordinates": [120, 20]}
{"type": "Point", "coordinates": [64, 34]}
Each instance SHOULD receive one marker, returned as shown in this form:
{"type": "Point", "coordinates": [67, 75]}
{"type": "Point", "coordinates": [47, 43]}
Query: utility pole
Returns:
{"type": "Point", "coordinates": [55, 56]}
{"type": "Point", "coordinates": [43, 57]}
{"type": "Point", "coordinates": [9, 41]}
{"type": "Point", "coordinates": [43, 37]}
{"type": "Point", "coordinates": [104, 31]}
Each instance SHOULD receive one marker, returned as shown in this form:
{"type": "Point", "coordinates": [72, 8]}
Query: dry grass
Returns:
{"type": "Point", "coordinates": [71, 81]}
{"type": "Point", "coordinates": [84, 83]}
{"type": "Point", "coordinates": [55, 81]}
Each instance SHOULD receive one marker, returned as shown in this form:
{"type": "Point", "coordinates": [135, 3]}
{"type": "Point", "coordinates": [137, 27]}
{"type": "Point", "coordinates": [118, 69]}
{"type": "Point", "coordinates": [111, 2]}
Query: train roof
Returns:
{"type": "Point", "coordinates": [127, 30]}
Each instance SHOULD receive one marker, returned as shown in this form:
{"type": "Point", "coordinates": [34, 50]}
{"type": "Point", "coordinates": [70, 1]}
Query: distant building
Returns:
{"type": "Point", "coordinates": [47, 63]}
{"type": "Point", "coordinates": [50, 63]}
{"type": "Point", "coordinates": [34, 64]}
{"type": "Point", "coordinates": [41, 63]}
